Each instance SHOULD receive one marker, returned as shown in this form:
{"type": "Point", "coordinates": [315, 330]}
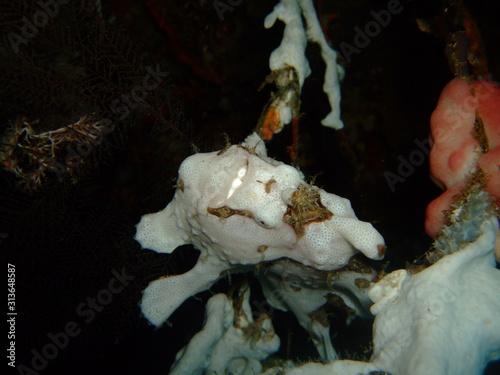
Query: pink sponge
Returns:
{"type": "Point", "coordinates": [456, 150]}
{"type": "Point", "coordinates": [489, 112]}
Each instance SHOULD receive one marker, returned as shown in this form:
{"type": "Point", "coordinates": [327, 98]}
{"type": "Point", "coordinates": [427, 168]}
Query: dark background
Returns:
{"type": "Point", "coordinates": [65, 237]}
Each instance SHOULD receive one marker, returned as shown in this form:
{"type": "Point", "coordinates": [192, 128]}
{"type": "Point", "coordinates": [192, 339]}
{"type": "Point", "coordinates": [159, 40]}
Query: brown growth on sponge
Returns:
{"type": "Point", "coordinates": [306, 208]}
{"type": "Point", "coordinates": [179, 185]}
{"type": "Point", "coordinates": [224, 212]}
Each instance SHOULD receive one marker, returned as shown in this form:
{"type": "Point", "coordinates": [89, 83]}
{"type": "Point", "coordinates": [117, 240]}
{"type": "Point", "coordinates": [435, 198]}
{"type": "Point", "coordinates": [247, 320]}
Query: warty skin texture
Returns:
{"type": "Point", "coordinates": [235, 206]}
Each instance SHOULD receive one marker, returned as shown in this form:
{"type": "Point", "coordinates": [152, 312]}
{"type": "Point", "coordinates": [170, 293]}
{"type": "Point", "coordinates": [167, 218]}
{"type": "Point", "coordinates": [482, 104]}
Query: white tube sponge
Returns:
{"type": "Point", "coordinates": [231, 342]}
{"type": "Point", "coordinates": [289, 286]}
{"type": "Point", "coordinates": [241, 208]}
{"type": "Point", "coordinates": [443, 320]}
{"type": "Point", "coordinates": [292, 52]}
{"type": "Point", "coordinates": [334, 72]}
